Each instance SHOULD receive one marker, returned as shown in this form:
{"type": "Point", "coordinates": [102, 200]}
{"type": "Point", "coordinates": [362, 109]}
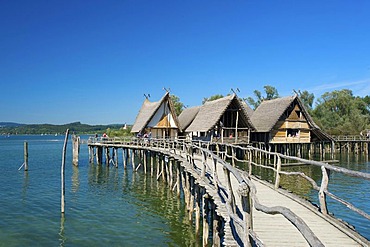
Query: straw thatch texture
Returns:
{"type": "Point", "coordinates": [148, 110]}
{"type": "Point", "coordinates": [269, 112]}
{"type": "Point", "coordinates": [187, 116]}
{"type": "Point", "coordinates": [211, 112]}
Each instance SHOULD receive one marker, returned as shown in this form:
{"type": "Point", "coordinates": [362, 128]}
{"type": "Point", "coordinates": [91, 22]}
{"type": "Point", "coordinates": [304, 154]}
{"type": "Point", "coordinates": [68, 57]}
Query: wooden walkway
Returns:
{"type": "Point", "coordinates": [293, 221]}
{"type": "Point", "coordinates": [276, 230]}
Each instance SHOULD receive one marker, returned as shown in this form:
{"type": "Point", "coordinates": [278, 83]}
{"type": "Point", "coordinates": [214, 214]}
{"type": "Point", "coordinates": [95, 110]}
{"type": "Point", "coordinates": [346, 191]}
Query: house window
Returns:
{"type": "Point", "coordinates": [292, 132]}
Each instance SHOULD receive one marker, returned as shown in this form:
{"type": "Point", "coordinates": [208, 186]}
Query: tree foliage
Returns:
{"type": "Point", "coordinates": [179, 106]}
{"type": "Point", "coordinates": [213, 97]}
{"type": "Point", "coordinates": [341, 113]}
{"type": "Point", "coordinates": [306, 98]}
{"type": "Point", "coordinates": [270, 91]}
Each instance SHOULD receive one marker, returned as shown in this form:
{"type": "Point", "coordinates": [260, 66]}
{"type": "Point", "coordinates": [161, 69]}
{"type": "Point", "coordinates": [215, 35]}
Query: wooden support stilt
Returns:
{"type": "Point", "coordinates": [163, 170]}
{"type": "Point", "coordinates": [215, 226]}
{"type": "Point", "coordinates": [124, 157]}
{"type": "Point", "coordinates": [91, 154]}
{"type": "Point", "coordinates": [25, 154]}
{"type": "Point", "coordinates": [115, 154]}
{"type": "Point", "coordinates": [178, 179]}
{"type": "Point", "coordinates": [198, 199]}
{"type": "Point", "coordinates": [133, 159]}
{"type": "Point", "coordinates": [107, 156]}
{"type": "Point", "coordinates": [205, 211]}
{"type": "Point", "coordinates": [158, 168]}
{"type": "Point", "coordinates": [145, 161]}
{"type": "Point", "coordinates": [99, 155]}
{"type": "Point", "coordinates": [151, 163]}
{"type": "Point", "coordinates": [62, 201]}
{"type": "Point", "coordinates": [171, 172]}
{"type": "Point", "coordinates": [75, 149]}
{"type": "Point", "coordinates": [191, 197]}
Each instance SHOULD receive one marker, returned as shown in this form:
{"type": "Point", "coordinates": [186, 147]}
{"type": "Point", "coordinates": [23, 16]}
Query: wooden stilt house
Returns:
{"type": "Point", "coordinates": [158, 118]}
{"type": "Point", "coordinates": [285, 120]}
{"type": "Point", "coordinates": [221, 120]}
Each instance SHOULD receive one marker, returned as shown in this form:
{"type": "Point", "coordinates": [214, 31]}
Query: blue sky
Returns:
{"type": "Point", "coordinates": [93, 61]}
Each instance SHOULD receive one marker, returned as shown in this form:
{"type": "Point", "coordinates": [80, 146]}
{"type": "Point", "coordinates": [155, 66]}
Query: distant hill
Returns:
{"type": "Point", "coordinates": [77, 128]}
{"type": "Point", "coordinates": [9, 124]}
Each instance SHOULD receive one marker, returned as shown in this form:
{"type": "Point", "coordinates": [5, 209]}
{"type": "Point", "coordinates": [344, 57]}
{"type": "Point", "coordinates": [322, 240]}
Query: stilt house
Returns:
{"type": "Point", "coordinates": [285, 120]}
{"type": "Point", "coordinates": [221, 120]}
{"type": "Point", "coordinates": [159, 118]}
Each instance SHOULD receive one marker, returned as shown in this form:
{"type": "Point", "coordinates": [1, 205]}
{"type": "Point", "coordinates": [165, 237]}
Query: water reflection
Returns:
{"type": "Point", "coordinates": [75, 179]}
{"type": "Point", "coordinates": [26, 183]}
{"type": "Point", "coordinates": [62, 237]}
{"type": "Point", "coordinates": [148, 197]}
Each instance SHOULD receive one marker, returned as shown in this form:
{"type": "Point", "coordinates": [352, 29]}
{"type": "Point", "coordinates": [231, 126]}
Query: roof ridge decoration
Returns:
{"type": "Point", "coordinates": [148, 110]}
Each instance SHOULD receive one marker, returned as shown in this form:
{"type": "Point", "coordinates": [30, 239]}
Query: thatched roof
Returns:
{"type": "Point", "coordinates": [247, 108]}
{"type": "Point", "coordinates": [210, 113]}
{"type": "Point", "coordinates": [147, 111]}
{"type": "Point", "coordinates": [187, 116]}
{"type": "Point", "coordinates": [269, 112]}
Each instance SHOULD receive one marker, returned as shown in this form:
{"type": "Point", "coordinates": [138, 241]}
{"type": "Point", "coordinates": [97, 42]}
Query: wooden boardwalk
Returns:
{"type": "Point", "coordinates": [276, 230]}
{"type": "Point", "coordinates": [223, 182]}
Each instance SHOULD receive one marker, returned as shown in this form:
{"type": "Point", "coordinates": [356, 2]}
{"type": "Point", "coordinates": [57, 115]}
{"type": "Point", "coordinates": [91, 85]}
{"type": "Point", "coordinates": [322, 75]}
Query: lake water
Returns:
{"type": "Point", "coordinates": [118, 207]}
{"type": "Point", "coordinates": [104, 206]}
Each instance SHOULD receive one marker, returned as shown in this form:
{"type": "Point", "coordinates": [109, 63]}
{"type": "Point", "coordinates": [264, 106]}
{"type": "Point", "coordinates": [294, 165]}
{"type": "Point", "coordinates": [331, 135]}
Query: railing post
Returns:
{"type": "Point", "coordinates": [246, 200]}
{"type": "Point", "coordinates": [231, 197]}
{"type": "Point", "coordinates": [233, 156]}
{"type": "Point", "coordinates": [204, 160]}
{"type": "Point", "coordinates": [278, 169]}
{"type": "Point", "coordinates": [323, 189]}
{"type": "Point", "coordinates": [250, 163]}
{"type": "Point", "coordinates": [215, 177]}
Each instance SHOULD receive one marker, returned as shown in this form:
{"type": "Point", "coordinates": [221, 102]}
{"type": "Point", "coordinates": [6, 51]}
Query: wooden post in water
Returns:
{"type": "Point", "coordinates": [151, 163]}
{"type": "Point", "coordinates": [145, 161]}
{"type": "Point", "coordinates": [198, 200]}
{"type": "Point", "coordinates": [178, 178]}
{"type": "Point", "coordinates": [107, 156]}
{"type": "Point", "coordinates": [75, 149]}
{"type": "Point", "coordinates": [205, 222]}
{"type": "Point", "coordinates": [62, 201]}
{"type": "Point", "coordinates": [191, 197]}
{"type": "Point", "coordinates": [124, 154]}
{"type": "Point", "coordinates": [25, 156]}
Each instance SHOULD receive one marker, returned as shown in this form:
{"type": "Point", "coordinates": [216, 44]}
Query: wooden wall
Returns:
{"type": "Point", "coordinates": [293, 129]}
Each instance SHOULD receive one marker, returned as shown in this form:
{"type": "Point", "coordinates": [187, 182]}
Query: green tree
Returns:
{"type": "Point", "coordinates": [270, 91]}
{"type": "Point", "coordinates": [306, 98]}
{"type": "Point", "coordinates": [339, 112]}
{"type": "Point", "coordinates": [213, 97]}
{"type": "Point", "coordinates": [179, 106]}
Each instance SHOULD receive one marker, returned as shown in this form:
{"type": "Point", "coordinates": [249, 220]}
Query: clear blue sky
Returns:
{"type": "Point", "coordinates": [92, 61]}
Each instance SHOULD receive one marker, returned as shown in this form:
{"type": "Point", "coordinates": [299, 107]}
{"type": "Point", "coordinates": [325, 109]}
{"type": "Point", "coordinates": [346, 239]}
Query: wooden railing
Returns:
{"type": "Point", "coordinates": [351, 138]}
{"type": "Point", "coordinates": [254, 154]}
{"type": "Point", "coordinates": [245, 188]}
